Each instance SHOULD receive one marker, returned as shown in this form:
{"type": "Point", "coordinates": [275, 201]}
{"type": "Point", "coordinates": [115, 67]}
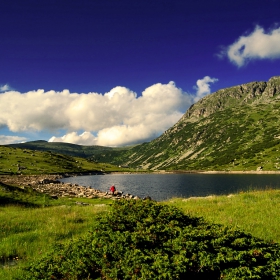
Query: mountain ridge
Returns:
{"type": "Point", "coordinates": [250, 92]}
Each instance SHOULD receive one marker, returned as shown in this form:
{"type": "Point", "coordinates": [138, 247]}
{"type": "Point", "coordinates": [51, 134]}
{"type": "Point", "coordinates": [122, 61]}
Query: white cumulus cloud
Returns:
{"type": "Point", "coordinates": [203, 87]}
{"type": "Point", "coordinates": [85, 138]}
{"type": "Point", "coordinates": [118, 117]}
{"type": "Point", "coordinates": [257, 45]}
{"type": "Point", "coordinates": [5, 139]}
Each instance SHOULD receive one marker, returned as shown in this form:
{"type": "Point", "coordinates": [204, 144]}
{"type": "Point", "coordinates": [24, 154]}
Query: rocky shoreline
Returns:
{"type": "Point", "coordinates": [50, 184]}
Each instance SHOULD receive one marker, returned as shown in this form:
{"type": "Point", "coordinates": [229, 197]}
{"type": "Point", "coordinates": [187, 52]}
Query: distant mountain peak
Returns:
{"type": "Point", "coordinates": [258, 92]}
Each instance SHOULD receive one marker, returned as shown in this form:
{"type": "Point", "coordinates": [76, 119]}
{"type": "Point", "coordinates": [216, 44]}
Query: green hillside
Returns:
{"type": "Point", "coordinates": [24, 161]}
{"type": "Point", "coordinates": [63, 148]}
{"type": "Point", "coordinates": [93, 153]}
{"type": "Point", "coordinates": [233, 129]}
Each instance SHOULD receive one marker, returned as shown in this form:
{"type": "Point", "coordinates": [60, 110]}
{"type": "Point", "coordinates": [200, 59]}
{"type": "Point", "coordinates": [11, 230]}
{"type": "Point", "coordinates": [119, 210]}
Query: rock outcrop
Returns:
{"type": "Point", "coordinates": [251, 93]}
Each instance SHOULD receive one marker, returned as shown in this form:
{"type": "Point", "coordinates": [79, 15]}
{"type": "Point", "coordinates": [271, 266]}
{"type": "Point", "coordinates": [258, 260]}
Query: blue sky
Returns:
{"type": "Point", "coordinates": [114, 73]}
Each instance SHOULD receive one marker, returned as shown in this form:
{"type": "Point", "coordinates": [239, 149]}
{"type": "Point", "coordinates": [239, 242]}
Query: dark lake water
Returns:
{"type": "Point", "coordinates": [165, 186]}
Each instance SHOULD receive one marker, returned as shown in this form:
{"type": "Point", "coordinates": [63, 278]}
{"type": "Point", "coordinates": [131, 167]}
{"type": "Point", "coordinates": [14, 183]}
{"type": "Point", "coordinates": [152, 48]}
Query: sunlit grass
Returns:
{"type": "Point", "coordinates": [256, 212]}
{"type": "Point", "coordinates": [29, 162]}
{"type": "Point", "coordinates": [27, 233]}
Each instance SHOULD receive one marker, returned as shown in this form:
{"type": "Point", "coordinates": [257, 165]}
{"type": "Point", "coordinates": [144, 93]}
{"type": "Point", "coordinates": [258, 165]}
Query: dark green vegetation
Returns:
{"type": "Point", "coordinates": [146, 240]}
{"type": "Point", "coordinates": [24, 161]}
{"type": "Point", "coordinates": [232, 129]}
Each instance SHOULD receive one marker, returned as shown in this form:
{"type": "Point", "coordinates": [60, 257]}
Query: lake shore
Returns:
{"type": "Point", "coordinates": [240, 172]}
{"type": "Point", "coordinates": [27, 179]}
{"type": "Point", "coordinates": [216, 172]}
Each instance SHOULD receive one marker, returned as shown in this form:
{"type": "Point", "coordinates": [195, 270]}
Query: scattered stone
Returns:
{"type": "Point", "coordinates": [81, 203]}
{"type": "Point", "coordinates": [48, 181]}
{"type": "Point", "coordinates": [50, 185]}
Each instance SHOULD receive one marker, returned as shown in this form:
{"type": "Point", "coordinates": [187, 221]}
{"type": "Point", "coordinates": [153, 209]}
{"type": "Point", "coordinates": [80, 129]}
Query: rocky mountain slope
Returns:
{"type": "Point", "coordinates": [232, 129]}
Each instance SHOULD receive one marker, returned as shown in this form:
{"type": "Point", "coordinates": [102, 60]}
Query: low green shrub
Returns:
{"type": "Point", "coordinates": [147, 240]}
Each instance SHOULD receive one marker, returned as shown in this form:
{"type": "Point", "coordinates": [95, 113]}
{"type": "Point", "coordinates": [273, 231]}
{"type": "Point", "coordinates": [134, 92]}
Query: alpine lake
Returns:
{"type": "Point", "coordinates": [161, 187]}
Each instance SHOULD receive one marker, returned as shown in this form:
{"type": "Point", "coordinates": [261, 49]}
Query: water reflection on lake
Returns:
{"type": "Point", "coordinates": [165, 186]}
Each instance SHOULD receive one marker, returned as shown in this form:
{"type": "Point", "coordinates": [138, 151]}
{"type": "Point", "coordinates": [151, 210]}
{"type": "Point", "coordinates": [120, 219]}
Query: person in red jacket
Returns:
{"type": "Point", "coordinates": [113, 189]}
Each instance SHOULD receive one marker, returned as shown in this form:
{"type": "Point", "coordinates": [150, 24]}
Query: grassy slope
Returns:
{"type": "Point", "coordinates": [256, 212]}
{"type": "Point", "coordinates": [38, 162]}
{"type": "Point", "coordinates": [232, 139]}
{"type": "Point", "coordinates": [94, 153]}
{"type": "Point", "coordinates": [62, 148]}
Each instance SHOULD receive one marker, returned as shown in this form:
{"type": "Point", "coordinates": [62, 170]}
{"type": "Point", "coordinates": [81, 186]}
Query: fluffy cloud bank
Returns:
{"type": "Point", "coordinates": [115, 118]}
{"type": "Point", "coordinates": [257, 45]}
{"type": "Point", "coordinates": [5, 140]}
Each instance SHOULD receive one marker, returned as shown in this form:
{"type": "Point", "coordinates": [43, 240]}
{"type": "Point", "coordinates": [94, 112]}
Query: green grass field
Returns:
{"type": "Point", "coordinates": [29, 229]}
{"type": "Point", "coordinates": [255, 212]}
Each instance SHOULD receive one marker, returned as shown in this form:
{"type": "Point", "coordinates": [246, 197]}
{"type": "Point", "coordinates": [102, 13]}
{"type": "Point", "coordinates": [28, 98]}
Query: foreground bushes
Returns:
{"type": "Point", "coordinates": [146, 240]}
